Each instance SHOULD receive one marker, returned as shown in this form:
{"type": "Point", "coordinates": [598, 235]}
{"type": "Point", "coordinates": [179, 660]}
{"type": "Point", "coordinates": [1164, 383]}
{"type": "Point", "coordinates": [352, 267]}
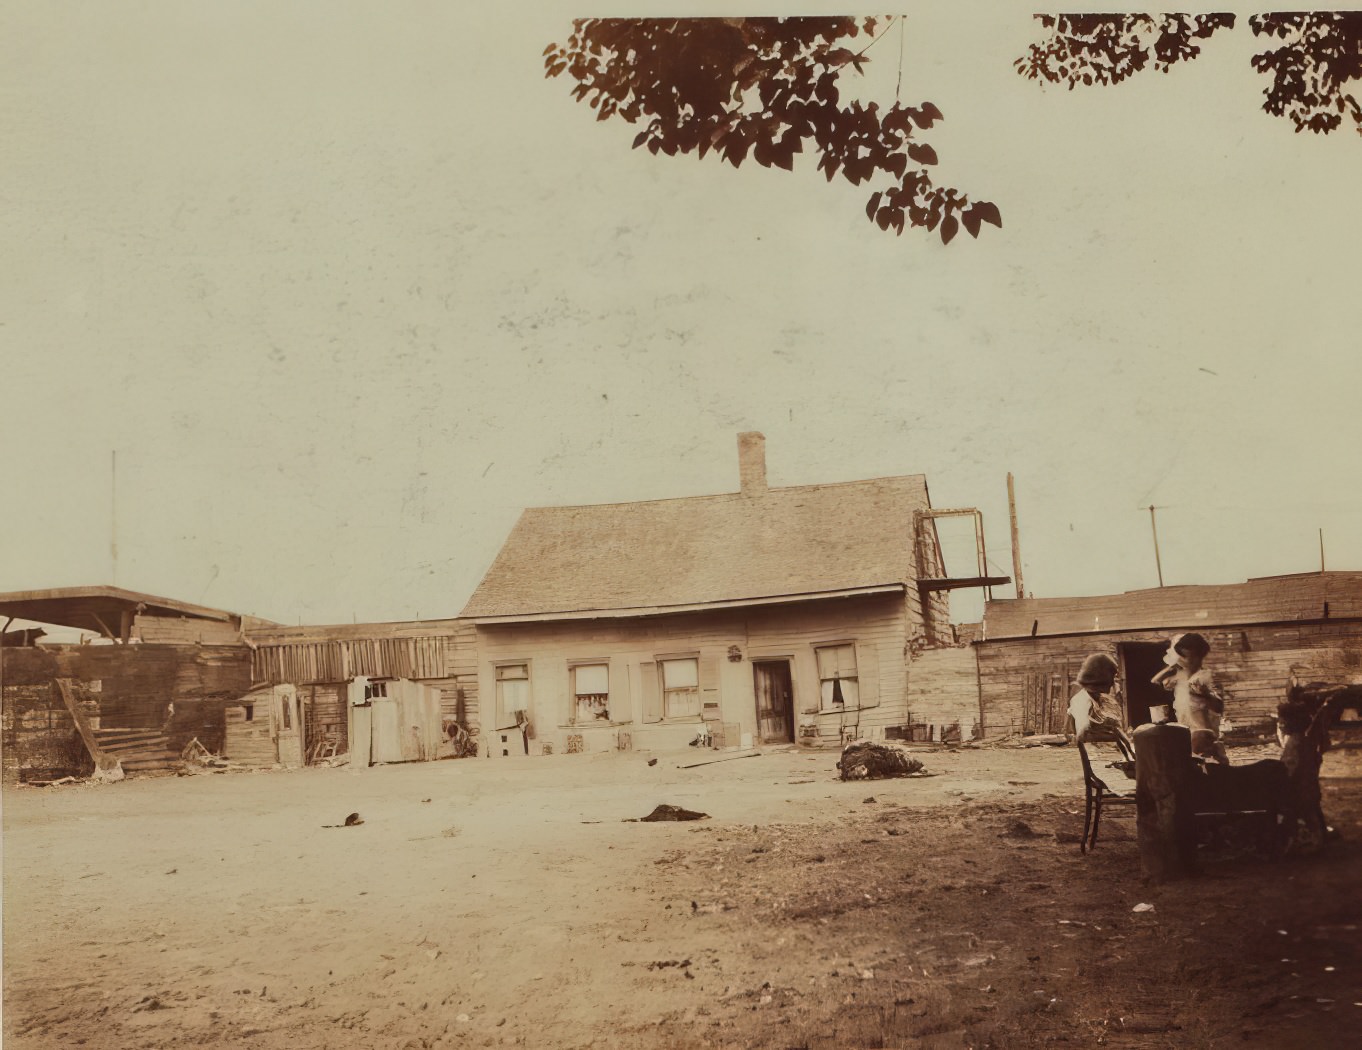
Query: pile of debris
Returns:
{"type": "Point", "coordinates": [196, 757]}
{"type": "Point", "coordinates": [866, 760]}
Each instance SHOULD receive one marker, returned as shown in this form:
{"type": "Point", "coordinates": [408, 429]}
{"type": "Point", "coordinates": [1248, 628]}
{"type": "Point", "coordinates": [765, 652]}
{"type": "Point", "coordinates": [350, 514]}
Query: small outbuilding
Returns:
{"type": "Point", "coordinates": [1261, 632]}
{"type": "Point", "coordinates": [381, 692]}
{"type": "Point", "coordinates": [152, 674]}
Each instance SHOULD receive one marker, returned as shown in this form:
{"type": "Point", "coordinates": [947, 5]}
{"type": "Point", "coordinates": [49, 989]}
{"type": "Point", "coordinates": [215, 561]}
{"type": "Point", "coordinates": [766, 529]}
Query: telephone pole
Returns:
{"type": "Point", "coordinates": [1016, 545]}
{"type": "Point", "coordinates": [113, 513]}
{"type": "Point", "coordinates": [1154, 525]}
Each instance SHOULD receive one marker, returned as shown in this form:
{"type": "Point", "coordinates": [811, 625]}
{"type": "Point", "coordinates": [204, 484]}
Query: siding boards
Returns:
{"type": "Point", "coordinates": [875, 624]}
{"type": "Point", "coordinates": [1251, 664]}
{"type": "Point", "coordinates": [438, 653]}
{"type": "Point", "coordinates": [943, 691]}
{"type": "Point", "coordinates": [183, 630]}
{"type": "Point", "coordinates": [343, 659]}
{"type": "Point", "coordinates": [130, 687]}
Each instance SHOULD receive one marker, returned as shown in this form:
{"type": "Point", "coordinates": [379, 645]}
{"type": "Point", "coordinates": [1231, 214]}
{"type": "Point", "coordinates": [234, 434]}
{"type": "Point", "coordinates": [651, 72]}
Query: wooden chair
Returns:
{"type": "Point", "coordinates": [1096, 794]}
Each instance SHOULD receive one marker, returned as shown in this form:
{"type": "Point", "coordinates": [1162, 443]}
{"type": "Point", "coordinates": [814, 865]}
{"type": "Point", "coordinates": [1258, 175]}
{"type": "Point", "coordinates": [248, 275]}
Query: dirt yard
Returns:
{"type": "Point", "coordinates": [486, 903]}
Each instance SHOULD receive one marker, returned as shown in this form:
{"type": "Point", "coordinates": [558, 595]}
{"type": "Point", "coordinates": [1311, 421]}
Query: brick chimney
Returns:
{"type": "Point", "coordinates": [752, 463]}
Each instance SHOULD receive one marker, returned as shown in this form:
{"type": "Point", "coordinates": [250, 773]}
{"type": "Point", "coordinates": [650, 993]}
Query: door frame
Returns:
{"type": "Point", "coordinates": [788, 663]}
{"type": "Point", "coordinates": [1135, 687]}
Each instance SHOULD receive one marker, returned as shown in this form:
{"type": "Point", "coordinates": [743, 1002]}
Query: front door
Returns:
{"type": "Point", "coordinates": [1140, 662]}
{"type": "Point", "coordinates": [775, 701]}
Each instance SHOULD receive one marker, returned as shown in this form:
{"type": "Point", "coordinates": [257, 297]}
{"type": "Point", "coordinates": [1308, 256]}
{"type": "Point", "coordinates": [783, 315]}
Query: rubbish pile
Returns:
{"type": "Point", "coordinates": [665, 812]}
{"type": "Point", "coordinates": [865, 760]}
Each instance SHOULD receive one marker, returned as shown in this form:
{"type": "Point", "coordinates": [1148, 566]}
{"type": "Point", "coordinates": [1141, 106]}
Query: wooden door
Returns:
{"type": "Point", "coordinates": [288, 726]}
{"type": "Point", "coordinates": [775, 701]}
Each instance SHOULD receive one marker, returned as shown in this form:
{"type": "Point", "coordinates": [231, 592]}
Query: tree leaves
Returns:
{"type": "Point", "coordinates": [922, 153]}
{"type": "Point", "coordinates": [765, 88]}
{"type": "Point", "coordinates": [1320, 56]}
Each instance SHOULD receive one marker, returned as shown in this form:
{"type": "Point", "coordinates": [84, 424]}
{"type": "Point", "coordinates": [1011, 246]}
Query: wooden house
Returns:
{"type": "Point", "coordinates": [381, 692]}
{"type": "Point", "coordinates": [158, 674]}
{"type": "Point", "coordinates": [769, 615]}
{"type": "Point", "coordinates": [1261, 633]}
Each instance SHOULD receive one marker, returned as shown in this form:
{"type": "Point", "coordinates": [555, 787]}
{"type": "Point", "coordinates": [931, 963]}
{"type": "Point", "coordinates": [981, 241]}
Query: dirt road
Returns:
{"type": "Point", "coordinates": [488, 903]}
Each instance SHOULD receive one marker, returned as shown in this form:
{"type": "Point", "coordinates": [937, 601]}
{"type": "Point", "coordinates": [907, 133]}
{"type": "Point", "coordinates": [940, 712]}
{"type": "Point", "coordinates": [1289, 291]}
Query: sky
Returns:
{"type": "Point", "coordinates": [343, 287]}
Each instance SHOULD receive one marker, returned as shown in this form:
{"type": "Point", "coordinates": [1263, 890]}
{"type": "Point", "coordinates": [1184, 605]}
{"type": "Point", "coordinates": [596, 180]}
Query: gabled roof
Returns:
{"type": "Point", "coordinates": [801, 541]}
{"type": "Point", "coordinates": [85, 607]}
{"type": "Point", "coordinates": [1270, 599]}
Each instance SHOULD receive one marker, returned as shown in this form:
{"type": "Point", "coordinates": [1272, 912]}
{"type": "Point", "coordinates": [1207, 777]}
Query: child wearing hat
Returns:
{"type": "Point", "coordinates": [1096, 715]}
{"type": "Point", "coordinates": [1197, 703]}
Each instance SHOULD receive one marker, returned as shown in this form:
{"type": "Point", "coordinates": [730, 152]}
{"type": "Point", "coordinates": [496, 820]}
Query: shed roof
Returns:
{"type": "Point", "coordinates": [85, 607]}
{"type": "Point", "coordinates": [798, 541]}
{"type": "Point", "coordinates": [1269, 599]}
{"type": "Point", "coordinates": [312, 634]}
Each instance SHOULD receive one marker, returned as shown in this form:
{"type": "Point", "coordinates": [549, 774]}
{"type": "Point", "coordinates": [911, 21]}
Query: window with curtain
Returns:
{"type": "Point", "coordinates": [513, 692]}
{"type": "Point", "coordinates": [591, 693]}
{"type": "Point", "coordinates": [837, 676]}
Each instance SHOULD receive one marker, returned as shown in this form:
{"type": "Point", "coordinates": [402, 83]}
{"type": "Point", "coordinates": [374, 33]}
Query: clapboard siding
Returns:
{"type": "Point", "coordinates": [182, 630]}
{"type": "Point", "coordinates": [1250, 663]}
{"type": "Point", "coordinates": [875, 624]}
{"type": "Point", "coordinates": [943, 692]}
{"type": "Point", "coordinates": [250, 743]}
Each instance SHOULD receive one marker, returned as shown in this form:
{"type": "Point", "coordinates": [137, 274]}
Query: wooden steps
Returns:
{"type": "Point", "coordinates": [138, 750]}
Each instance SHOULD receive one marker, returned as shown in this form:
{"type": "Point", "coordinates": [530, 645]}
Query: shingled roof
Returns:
{"type": "Point", "coordinates": [773, 543]}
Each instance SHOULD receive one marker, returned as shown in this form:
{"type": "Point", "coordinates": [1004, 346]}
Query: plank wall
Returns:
{"type": "Point", "coordinates": [135, 684]}
{"type": "Point", "coordinates": [1251, 664]}
{"type": "Point", "coordinates": [185, 630]}
{"type": "Point", "coordinates": [438, 653]}
{"type": "Point", "coordinates": [943, 692]}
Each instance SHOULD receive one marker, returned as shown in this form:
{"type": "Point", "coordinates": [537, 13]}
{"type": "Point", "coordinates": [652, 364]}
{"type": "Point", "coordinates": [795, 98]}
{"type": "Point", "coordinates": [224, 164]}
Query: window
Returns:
{"type": "Point", "coordinates": [513, 693]}
{"type": "Point", "coordinates": [591, 693]}
{"type": "Point", "coordinates": [680, 687]}
{"type": "Point", "coordinates": [375, 689]}
{"type": "Point", "coordinates": [837, 677]}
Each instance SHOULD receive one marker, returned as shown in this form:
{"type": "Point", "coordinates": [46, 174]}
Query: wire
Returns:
{"type": "Point", "coordinates": [899, 85]}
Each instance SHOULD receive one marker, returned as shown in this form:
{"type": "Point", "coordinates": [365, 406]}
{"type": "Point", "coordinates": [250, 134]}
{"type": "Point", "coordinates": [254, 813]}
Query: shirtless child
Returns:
{"type": "Point", "coordinates": [1197, 703]}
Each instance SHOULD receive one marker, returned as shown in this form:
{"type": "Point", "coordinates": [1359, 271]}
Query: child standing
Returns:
{"type": "Point", "coordinates": [1197, 703]}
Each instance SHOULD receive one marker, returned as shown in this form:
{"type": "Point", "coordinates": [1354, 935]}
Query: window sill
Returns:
{"type": "Point", "coordinates": [592, 725]}
{"type": "Point", "coordinates": [844, 710]}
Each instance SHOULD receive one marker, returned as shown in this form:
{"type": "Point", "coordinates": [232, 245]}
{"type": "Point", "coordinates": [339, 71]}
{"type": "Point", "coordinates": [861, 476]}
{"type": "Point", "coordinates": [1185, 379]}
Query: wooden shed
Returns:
{"type": "Point", "coordinates": [159, 673]}
{"type": "Point", "coordinates": [411, 677]}
{"type": "Point", "coordinates": [1261, 633]}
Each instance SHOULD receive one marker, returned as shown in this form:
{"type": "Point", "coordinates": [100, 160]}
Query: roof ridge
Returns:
{"type": "Point", "coordinates": [729, 495]}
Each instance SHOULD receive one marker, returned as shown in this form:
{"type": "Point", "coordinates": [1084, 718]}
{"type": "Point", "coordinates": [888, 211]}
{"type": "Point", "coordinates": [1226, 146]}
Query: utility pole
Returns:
{"type": "Point", "coordinates": [1321, 550]}
{"type": "Point", "coordinates": [1016, 545]}
{"type": "Point", "coordinates": [1154, 525]}
{"type": "Point", "coordinates": [113, 513]}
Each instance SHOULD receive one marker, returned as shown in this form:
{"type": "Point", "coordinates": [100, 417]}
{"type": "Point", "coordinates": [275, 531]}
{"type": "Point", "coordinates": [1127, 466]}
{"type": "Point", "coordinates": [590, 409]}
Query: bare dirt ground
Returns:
{"type": "Point", "coordinates": [486, 903]}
